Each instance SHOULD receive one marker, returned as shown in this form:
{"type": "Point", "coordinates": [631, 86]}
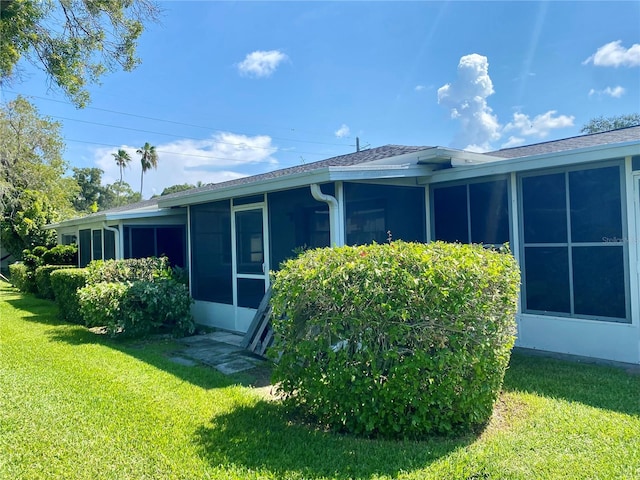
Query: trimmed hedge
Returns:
{"type": "Point", "coordinates": [43, 280]}
{"type": "Point", "coordinates": [128, 270]}
{"type": "Point", "coordinates": [138, 308]}
{"type": "Point", "coordinates": [22, 277]}
{"type": "Point", "coordinates": [395, 340]}
{"type": "Point", "coordinates": [61, 255]}
{"type": "Point", "coordinates": [65, 284]}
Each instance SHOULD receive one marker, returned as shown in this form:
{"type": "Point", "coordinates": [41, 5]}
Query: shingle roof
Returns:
{"type": "Point", "coordinates": [364, 156]}
{"type": "Point", "coordinates": [628, 134]}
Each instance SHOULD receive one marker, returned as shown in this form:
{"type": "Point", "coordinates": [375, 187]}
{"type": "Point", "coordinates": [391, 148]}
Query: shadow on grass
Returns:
{"type": "Point", "coordinates": [261, 437]}
{"type": "Point", "coordinates": [155, 351]}
{"type": "Point", "coordinates": [39, 310]}
{"type": "Point", "coordinates": [600, 386]}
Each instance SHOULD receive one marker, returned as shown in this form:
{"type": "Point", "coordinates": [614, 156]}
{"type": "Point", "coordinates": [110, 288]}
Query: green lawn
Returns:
{"type": "Point", "coordinates": [77, 405]}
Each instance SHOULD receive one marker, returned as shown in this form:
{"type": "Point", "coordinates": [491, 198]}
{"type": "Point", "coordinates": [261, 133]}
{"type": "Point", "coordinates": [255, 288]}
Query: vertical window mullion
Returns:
{"type": "Point", "coordinates": [569, 242]}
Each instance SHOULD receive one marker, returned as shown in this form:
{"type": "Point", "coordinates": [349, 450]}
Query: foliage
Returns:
{"type": "Point", "coordinates": [128, 270]}
{"type": "Point", "coordinates": [33, 190]}
{"type": "Point", "coordinates": [121, 194]}
{"type": "Point", "coordinates": [604, 124]}
{"type": "Point", "coordinates": [148, 160]}
{"type": "Point", "coordinates": [73, 41]}
{"type": "Point", "coordinates": [65, 284]}
{"type": "Point", "coordinates": [22, 277]}
{"type": "Point", "coordinates": [43, 280]}
{"type": "Point", "coordinates": [95, 197]}
{"type": "Point", "coordinates": [61, 255]}
{"type": "Point", "coordinates": [100, 304]}
{"type": "Point", "coordinates": [177, 188]}
{"type": "Point", "coordinates": [398, 339]}
{"type": "Point", "coordinates": [137, 308]}
{"type": "Point", "coordinates": [26, 273]}
{"type": "Point", "coordinates": [91, 190]}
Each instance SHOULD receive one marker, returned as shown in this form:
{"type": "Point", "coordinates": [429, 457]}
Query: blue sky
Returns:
{"type": "Point", "coordinates": [227, 89]}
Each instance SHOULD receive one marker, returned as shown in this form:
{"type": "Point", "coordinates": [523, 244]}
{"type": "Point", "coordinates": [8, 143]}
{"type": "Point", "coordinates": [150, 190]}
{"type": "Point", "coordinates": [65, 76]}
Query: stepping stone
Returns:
{"type": "Point", "coordinates": [183, 361]}
{"type": "Point", "coordinates": [235, 366]}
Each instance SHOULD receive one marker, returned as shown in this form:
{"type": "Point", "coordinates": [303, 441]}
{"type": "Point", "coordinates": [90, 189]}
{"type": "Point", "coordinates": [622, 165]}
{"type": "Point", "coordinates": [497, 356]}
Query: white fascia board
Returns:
{"type": "Point", "coordinates": [146, 214]}
{"type": "Point", "coordinates": [284, 182]}
{"type": "Point", "coordinates": [377, 172]}
{"type": "Point", "coordinates": [72, 222]}
{"type": "Point", "coordinates": [115, 217]}
{"type": "Point", "coordinates": [303, 179]}
{"type": "Point", "coordinates": [443, 155]}
{"type": "Point", "coordinates": [536, 162]}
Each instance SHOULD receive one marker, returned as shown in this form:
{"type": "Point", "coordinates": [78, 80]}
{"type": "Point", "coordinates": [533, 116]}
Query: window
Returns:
{"type": "Point", "coordinates": [374, 210]}
{"type": "Point", "coordinates": [155, 241]}
{"type": "Point", "coordinates": [571, 264]}
{"type": "Point", "coordinates": [85, 247]}
{"type": "Point", "coordinates": [472, 213]}
{"type": "Point", "coordinates": [68, 239]}
{"type": "Point", "coordinates": [297, 220]}
{"type": "Point", "coordinates": [211, 252]}
{"type": "Point", "coordinates": [109, 245]}
{"type": "Point", "coordinates": [96, 244]}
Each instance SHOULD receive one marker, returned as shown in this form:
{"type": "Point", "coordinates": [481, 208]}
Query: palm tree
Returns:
{"type": "Point", "coordinates": [122, 160]}
{"type": "Point", "coordinates": [148, 159]}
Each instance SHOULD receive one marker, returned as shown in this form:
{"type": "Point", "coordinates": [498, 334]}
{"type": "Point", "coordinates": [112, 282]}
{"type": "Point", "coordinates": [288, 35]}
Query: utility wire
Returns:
{"type": "Point", "coordinates": [245, 145]}
{"type": "Point", "coordinates": [174, 122]}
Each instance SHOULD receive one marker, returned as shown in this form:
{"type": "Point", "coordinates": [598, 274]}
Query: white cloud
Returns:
{"type": "Point", "coordinates": [261, 63]}
{"type": "Point", "coordinates": [419, 88]}
{"type": "Point", "coordinates": [615, 92]}
{"type": "Point", "coordinates": [613, 54]}
{"type": "Point", "coordinates": [466, 98]}
{"type": "Point", "coordinates": [343, 131]}
{"type": "Point", "coordinates": [216, 159]}
{"type": "Point", "coordinates": [540, 125]}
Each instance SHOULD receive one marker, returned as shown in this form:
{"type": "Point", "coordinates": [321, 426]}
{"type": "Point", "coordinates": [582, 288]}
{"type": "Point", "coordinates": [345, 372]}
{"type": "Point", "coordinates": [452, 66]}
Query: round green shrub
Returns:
{"type": "Point", "coordinates": [61, 255]}
{"type": "Point", "coordinates": [395, 340]}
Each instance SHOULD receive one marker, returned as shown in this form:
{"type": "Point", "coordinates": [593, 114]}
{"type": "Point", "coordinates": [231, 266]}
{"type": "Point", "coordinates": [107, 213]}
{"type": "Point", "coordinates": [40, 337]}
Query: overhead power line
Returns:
{"type": "Point", "coordinates": [135, 115]}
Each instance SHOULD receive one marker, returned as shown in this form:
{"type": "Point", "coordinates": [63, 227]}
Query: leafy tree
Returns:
{"type": "Point", "coordinates": [122, 159]}
{"type": "Point", "coordinates": [94, 196]}
{"type": "Point", "coordinates": [148, 159]}
{"type": "Point", "coordinates": [177, 188]}
{"type": "Point", "coordinates": [122, 194]}
{"type": "Point", "coordinates": [604, 124]}
{"type": "Point", "coordinates": [33, 188]}
{"type": "Point", "coordinates": [91, 190]}
{"type": "Point", "coordinates": [74, 41]}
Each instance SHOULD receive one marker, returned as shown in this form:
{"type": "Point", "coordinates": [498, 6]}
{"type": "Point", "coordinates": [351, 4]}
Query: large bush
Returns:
{"type": "Point", "coordinates": [43, 280]}
{"type": "Point", "coordinates": [65, 284]}
{"type": "Point", "coordinates": [398, 339]}
{"type": "Point", "coordinates": [137, 308]}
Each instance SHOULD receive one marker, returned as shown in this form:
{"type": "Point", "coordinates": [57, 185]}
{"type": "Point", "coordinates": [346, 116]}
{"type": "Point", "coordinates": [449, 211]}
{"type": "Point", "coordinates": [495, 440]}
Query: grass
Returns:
{"type": "Point", "coordinates": [75, 405]}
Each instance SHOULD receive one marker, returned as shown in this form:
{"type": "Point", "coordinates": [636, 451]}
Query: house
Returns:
{"type": "Point", "coordinates": [568, 208]}
{"type": "Point", "coordinates": [133, 231]}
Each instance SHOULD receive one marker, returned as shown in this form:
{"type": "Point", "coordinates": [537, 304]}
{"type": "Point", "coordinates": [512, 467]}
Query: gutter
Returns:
{"type": "Point", "coordinates": [116, 234]}
{"type": "Point", "coordinates": [334, 213]}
